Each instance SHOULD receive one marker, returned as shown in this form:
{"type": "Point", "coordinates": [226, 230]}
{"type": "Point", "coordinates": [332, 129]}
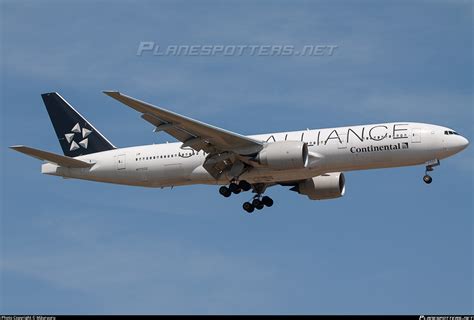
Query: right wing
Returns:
{"type": "Point", "coordinates": [52, 157]}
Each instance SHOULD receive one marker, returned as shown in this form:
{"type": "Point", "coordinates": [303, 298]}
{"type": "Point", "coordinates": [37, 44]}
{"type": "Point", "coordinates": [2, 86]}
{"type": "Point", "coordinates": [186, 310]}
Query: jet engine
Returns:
{"type": "Point", "coordinates": [326, 186]}
{"type": "Point", "coordinates": [284, 155]}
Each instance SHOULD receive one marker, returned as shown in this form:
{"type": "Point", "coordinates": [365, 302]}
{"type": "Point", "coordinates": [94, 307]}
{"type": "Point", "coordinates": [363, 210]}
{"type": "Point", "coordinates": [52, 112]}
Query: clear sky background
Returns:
{"type": "Point", "coordinates": [391, 245]}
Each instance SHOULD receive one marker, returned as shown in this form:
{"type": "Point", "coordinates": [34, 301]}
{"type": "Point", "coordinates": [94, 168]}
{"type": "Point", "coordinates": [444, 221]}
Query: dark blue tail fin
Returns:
{"type": "Point", "coordinates": [76, 135]}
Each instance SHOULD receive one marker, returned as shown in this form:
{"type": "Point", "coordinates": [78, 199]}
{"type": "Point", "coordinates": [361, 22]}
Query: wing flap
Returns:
{"type": "Point", "coordinates": [171, 129]}
{"type": "Point", "coordinates": [52, 157]}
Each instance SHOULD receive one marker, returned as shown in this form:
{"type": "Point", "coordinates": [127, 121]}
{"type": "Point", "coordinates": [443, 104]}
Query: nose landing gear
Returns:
{"type": "Point", "coordinates": [429, 167]}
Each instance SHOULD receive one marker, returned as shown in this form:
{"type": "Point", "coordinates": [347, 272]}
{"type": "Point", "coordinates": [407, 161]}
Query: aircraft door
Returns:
{"type": "Point", "coordinates": [121, 165]}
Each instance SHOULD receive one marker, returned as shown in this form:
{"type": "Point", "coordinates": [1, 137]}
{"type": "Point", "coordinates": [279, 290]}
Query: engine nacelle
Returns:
{"type": "Point", "coordinates": [284, 155]}
{"type": "Point", "coordinates": [326, 186]}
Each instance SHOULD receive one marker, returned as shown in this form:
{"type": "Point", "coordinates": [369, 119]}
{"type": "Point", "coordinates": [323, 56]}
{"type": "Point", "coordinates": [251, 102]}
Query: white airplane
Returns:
{"type": "Point", "coordinates": [311, 162]}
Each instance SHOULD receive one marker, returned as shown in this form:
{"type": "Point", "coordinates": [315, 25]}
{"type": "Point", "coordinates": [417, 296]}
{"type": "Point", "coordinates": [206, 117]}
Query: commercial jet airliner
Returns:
{"type": "Point", "coordinates": [310, 162]}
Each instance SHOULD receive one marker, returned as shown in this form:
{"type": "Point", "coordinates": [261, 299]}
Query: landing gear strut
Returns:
{"type": "Point", "coordinates": [429, 167]}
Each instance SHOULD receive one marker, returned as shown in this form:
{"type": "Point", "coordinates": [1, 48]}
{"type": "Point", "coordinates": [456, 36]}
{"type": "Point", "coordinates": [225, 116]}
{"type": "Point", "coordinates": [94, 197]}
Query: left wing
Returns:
{"type": "Point", "coordinates": [227, 151]}
{"type": "Point", "coordinates": [192, 133]}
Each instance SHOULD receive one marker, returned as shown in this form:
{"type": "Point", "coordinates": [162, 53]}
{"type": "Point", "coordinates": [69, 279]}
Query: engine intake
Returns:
{"type": "Point", "coordinates": [284, 155]}
{"type": "Point", "coordinates": [326, 186]}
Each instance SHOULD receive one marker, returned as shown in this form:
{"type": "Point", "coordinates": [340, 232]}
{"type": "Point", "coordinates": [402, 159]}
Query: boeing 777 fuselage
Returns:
{"type": "Point", "coordinates": [311, 162]}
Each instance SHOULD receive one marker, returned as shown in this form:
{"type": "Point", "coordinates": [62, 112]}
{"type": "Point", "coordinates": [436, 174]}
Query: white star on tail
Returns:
{"type": "Point", "coordinates": [70, 137]}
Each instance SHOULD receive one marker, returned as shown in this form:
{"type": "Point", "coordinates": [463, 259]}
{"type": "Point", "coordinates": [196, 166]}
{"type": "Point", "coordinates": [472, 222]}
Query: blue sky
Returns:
{"type": "Point", "coordinates": [391, 245]}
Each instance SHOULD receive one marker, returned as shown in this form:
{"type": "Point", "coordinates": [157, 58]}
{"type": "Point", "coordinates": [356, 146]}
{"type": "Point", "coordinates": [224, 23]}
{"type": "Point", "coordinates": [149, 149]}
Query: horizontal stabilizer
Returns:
{"type": "Point", "coordinates": [52, 157]}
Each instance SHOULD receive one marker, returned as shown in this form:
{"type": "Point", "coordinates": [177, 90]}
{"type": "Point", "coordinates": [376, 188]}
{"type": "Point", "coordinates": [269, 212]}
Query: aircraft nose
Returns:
{"type": "Point", "coordinates": [463, 143]}
{"type": "Point", "coordinates": [458, 144]}
{"type": "Point", "coordinates": [454, 142]}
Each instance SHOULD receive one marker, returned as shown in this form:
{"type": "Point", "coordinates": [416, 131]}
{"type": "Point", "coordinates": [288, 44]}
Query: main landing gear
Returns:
{"type": "Point", "coordinates": [258, 201]}
{"type": "Point", "coordinates": [429, 167]}
{"type": "Point", "coordinates": [235, 188]}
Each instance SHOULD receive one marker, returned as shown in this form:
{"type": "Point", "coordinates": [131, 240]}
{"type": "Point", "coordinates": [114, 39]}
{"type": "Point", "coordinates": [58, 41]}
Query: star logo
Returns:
{"type": "Point", "coordinates": [70, 137]}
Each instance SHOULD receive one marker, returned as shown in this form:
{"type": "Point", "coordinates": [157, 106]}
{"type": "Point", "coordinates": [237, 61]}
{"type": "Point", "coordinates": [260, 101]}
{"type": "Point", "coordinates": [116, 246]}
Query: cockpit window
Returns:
{"type": "Point", "coordinates": [447, 132]}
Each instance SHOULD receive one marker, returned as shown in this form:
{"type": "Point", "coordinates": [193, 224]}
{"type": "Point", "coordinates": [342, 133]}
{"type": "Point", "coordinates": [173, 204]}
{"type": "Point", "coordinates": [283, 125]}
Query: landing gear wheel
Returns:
{"type": "Point", "coordinates": [248, 207]}
{"type": "Point", "coordinates": [225, 191]}
{"type": "Point", "coordinates": [257, 204]}
{"type": "Point", "coordinates": [233, 187]}
{"type": "Point", "coordinates": [244, 185]}
{"type": "Point", "coordinates": [267, 201]}
{"type": "Point", "coordinates": [427, 179]}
